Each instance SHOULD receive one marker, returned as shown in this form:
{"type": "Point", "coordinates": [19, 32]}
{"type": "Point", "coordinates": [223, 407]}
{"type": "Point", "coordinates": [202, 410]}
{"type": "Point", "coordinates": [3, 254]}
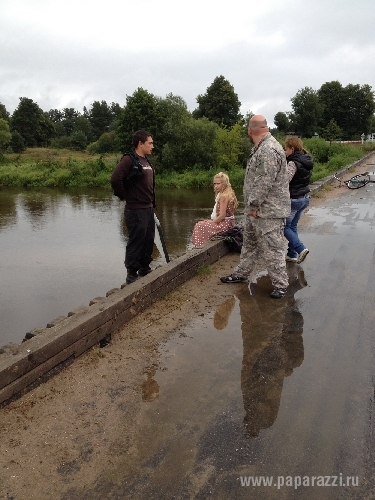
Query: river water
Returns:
{"type": "Point", "coordinates": [61, 248]}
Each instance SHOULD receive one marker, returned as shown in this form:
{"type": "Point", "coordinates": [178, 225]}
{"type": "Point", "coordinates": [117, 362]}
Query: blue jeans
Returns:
{"type": "Point", "coordinates": [295, 245]}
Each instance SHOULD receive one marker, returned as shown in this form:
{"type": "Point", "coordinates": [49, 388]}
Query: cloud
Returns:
{"type": "Point", "coordinates": [68, 54]}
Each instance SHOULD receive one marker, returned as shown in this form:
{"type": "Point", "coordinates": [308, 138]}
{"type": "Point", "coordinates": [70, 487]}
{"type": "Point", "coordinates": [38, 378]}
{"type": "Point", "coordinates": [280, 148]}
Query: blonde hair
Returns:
{"type": "Point", "coordinates": [226, 188]}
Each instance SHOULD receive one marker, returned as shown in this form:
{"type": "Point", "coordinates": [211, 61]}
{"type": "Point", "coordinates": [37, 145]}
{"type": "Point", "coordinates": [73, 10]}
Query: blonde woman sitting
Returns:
{"type": "Point", "coordinates": [222, 217]}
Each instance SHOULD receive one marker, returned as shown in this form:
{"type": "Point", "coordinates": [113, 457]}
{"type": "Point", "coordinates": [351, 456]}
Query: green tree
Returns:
{"type": "Point", "coordinates": [5, 135]}
{"type": "Point", "coordinates": [331, 96]}
{"type": "Point", "coordinates": [282, 122]}
{"type": "Point", "coordinates": [245, 121]}
{"type": "Point", "coordinates": [70, 116]}
{"type": "Point", "coordinates": [32, 123]}
{"type": "Point", "coordinates": [4, 113]}
{"type": "Point", "coordinates": [307, 111]}
{"type": "Point", "coordinates": [82, 124]}
{"type": "Point", "coordinates": [141, 112]}
{"type": "Point", "coordinates": [219, 104]}
{"type": "Point", "coordinates": [101, 117]}
{"type": "Point", "coordinates": [45, 131]}
{"type": "Point", "coordinates": [172, 113]}
{"type": "Point", "coordinates": [332, 131]}
{"type": "Point", "coordinates": [359, 109]}
{"type": "Point", "coordinates": [55, 115]}
{"type": "Point", "coordinates": [372, 125]}
{"type": "Point", "coordinates": [351, 107]}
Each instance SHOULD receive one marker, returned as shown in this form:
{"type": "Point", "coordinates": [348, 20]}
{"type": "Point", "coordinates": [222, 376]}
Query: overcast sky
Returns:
{"type": "Point", "coordinates": [69, 53]}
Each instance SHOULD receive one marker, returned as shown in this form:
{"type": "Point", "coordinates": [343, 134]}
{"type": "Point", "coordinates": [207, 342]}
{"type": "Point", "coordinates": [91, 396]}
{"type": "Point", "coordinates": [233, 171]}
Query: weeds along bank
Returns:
{"type": "Point", "coordinates": [41, 167]}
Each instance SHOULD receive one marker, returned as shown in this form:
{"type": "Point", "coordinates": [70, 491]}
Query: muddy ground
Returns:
{"type": "Point", "coordinates": [65, 432]}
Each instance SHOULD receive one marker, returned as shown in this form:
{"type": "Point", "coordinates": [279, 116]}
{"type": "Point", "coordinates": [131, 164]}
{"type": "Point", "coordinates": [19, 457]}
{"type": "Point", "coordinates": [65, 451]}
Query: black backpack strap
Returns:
{"type": "Point", "coordinates": [135, 172]}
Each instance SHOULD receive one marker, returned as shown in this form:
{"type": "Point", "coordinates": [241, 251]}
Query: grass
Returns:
{"type": "Point", "coordinates": [204, 270]}
{"type": "Point", "coordinates": [197, 178]}
{"type": "Point", "coordinates": [45, 167]}
{"type": "Point", "coordinates": [40, 167]}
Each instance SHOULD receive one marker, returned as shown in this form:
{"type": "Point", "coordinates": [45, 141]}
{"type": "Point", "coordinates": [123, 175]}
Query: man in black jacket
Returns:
{"type": "Point", "coordinates": [133, 181]}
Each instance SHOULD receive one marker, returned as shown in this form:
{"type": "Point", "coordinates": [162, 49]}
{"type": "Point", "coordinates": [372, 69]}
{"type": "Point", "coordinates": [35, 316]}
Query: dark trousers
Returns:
{"type": "Point", "coordinates": [141, 231]}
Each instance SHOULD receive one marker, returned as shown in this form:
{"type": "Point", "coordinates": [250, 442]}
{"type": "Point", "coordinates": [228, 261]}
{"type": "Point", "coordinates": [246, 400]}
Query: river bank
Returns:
{"type": "Point", "coordinates": [43, 167]}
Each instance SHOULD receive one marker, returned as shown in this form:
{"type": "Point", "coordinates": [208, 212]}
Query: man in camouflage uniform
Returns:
{"type": "Point", "coordinates": [267, 204]}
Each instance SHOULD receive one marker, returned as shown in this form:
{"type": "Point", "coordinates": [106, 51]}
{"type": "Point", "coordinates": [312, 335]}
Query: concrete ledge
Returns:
{"type": "Point", "coordinates": [68, 337]}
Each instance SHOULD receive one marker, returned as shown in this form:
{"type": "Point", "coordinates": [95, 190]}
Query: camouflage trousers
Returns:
{"type": "Point", "coordinates": [264, 247]}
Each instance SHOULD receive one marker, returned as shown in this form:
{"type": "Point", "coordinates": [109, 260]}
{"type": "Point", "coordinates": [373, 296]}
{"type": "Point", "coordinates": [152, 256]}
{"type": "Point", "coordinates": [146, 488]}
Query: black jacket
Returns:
{"type": "Point", "coordinates": [133, 182]}
{"type": "Point", "coordinates": [299, 185]}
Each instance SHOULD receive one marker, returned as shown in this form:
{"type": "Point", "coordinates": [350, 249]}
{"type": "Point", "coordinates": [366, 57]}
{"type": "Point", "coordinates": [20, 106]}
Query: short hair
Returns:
{"type": "Point", "coordinates": [294, 142]}
{"type": "Point", "coordinates": [140, 136]}
{"type": "Point", "coordinates": [256, 123]}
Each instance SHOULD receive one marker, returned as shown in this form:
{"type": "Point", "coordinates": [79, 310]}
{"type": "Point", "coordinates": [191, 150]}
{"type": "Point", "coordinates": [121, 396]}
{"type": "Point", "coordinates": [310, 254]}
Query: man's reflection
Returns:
{"type": "Point", "coordinates": [150, 388]}
{"type": "Point", "coordinates": [272, 348]}
{"type": "Point", "coordinates": [223, 312]}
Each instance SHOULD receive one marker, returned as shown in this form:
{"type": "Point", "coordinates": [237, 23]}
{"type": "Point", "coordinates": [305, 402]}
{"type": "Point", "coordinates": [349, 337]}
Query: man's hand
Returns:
{"type": "Point", "coordinates": [253, 213]}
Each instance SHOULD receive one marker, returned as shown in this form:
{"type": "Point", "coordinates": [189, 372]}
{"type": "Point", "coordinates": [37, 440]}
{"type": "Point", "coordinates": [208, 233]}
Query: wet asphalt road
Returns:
{"type": "Point", "coordinates": [276, 389]}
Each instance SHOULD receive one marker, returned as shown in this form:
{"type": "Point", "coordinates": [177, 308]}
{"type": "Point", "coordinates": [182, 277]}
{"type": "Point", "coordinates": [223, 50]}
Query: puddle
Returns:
{"type": "Point", "coordinates": [356, 213]}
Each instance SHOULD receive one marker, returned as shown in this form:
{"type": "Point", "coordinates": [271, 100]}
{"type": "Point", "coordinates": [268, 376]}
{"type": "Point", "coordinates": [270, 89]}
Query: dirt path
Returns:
{"type": "Point", "coordinates": [65, 432]}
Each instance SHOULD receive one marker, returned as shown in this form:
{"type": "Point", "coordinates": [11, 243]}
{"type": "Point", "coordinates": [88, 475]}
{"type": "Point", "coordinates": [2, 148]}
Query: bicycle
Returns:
{"type": "Point", "coordinates": [355, 182]}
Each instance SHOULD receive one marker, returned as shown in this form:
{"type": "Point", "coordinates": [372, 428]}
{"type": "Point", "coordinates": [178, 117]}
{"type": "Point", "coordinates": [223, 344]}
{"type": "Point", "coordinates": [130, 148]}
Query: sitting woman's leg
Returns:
{"type": "Point", "coordinates": [205, 229]}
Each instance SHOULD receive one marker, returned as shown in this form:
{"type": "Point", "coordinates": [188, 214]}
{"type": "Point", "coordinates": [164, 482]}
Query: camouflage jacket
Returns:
{"type": "Point", "coordinates": [266, 186]}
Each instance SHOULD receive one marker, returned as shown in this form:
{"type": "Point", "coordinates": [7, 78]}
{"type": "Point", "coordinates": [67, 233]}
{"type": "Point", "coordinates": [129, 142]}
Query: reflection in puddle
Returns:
{"type": "Point", "coordinates": [234, 358]}
{"type": "Point", "coordinates": [150, 388]}
{"type": "Point", "coordinates": [272, 348]}
{"type": "Point", "coordinates": [216, 392]}
{"type": "Point", "coordinates": [223, 312]}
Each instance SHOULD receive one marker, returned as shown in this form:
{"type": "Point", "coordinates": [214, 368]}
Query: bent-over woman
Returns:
{"type": "Point", "coordinates": [299, 165]}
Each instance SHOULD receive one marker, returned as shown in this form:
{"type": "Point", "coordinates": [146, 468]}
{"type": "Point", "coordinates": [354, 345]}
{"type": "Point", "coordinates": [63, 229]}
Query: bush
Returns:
{"type": "Point", "coordinates": [107, 143]}
{"type": "Point", "coordinates": [318, 148]}
{"type": "Point", "coordinates": [191, 147]}
{"type": "Point", "coordinates": [92, 148]}
{"type": "Point", "coordinates": [78, 141]}
{"type": "Point", "coordinates": [63, 142]}
{"type": "Point", "coordinates": [228, 147]}
{"type": "Point", "coordinates": [17, 143]}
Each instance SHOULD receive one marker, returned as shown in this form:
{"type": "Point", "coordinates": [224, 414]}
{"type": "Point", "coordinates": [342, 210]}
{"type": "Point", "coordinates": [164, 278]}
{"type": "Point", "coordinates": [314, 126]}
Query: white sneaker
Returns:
{"type": "Point", "coordinates": [290, 259]}
{"type": "Point", "coordinates": [302, 256]}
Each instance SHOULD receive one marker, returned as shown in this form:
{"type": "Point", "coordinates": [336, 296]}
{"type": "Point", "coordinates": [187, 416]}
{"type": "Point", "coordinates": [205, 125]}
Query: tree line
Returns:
{"type": "Point", "coordinates": [214, 134]}
{"type": "Point", "coordinates": [333, 112]}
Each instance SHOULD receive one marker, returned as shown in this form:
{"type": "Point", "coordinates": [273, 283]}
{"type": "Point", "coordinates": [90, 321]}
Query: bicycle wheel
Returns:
{"type": "Point", "coordinates": [358, 181]}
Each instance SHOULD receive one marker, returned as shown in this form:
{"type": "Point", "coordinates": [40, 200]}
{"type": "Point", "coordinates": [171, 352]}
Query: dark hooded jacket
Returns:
{"type": "Point", "coordinates": [299, 185]}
